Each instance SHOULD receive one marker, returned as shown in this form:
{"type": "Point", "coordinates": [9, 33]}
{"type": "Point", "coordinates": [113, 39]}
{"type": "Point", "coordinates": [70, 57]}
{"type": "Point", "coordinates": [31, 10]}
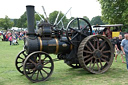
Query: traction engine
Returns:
{"type": "Point", "coordinates": [76, 46]}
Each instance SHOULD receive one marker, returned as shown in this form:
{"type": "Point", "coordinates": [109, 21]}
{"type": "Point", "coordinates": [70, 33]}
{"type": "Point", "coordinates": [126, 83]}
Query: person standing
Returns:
{"type": "Point", "coordinates": [118, 48]}
{"type": "Point", "coordinates": [10, 39]}
{"type": "Point", "coordinates": [108, 33]}
{"type": "Point", "coordinates": [124, 48]}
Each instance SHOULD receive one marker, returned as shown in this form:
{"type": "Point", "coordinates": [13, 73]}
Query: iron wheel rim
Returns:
{"type": "Point", "coordinates": [39, 68]}
{"type": "Point", "coordinates": [97, 57]}
{"type": "Point", "coordinates": [20, 60]}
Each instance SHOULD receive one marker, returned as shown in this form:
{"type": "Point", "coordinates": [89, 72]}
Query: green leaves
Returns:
{"type": "Point", "coordinates": [96, 20]}
{"type": "Point", "coordinates": [53, 15]}
{"type": "Point", "coordinates": [114, 11]}
{"type": "Point", "coordinates": [6, 23]}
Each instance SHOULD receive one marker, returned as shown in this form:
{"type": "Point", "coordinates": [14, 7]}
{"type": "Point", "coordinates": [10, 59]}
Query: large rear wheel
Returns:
{"type": "Point", "coordinates": [95, 54]}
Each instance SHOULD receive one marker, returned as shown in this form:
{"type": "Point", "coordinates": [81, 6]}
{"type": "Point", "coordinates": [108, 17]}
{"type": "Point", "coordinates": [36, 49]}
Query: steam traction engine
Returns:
{"type": "Point", "coordinates": [75, 45]}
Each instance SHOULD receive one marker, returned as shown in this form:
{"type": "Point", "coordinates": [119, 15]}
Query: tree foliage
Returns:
{"type": "Point", "coordinates": [53, 15]}
{"type": "Point", "coordinates": [114, 11]}
{"type": "Point", "coordinates": [85, 17]}
{"type": "Point", "coordinates": [96, 21]}
{"type": "Point", "coordinates": [6, 23]}
{"type": "Point", "coordinates": [22, 21]}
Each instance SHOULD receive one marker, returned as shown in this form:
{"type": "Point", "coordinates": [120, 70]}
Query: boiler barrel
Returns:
{"type": "Point", "coordinates": [53, 46]}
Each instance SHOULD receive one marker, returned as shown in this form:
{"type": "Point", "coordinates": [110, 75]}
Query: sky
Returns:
{"type": "Point", "coordinates": [15, 8]}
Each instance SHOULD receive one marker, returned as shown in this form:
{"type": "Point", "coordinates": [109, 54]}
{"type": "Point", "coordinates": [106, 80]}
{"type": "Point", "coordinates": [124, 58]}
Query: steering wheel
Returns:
{"type": "Point", "coordinates": [77, 27]}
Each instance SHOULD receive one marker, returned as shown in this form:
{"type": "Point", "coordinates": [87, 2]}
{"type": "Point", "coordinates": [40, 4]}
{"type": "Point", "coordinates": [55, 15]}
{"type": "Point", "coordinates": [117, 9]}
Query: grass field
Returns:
{"type": "Point", "coordinates": [62, 75]}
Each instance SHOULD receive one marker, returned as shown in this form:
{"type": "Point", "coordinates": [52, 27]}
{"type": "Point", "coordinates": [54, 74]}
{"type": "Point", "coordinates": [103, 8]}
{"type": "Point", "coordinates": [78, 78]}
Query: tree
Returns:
{"type": "Point", "coordinates": [6, 23]}
{"type": "Point", "coordinates": [85, 17]}
{"type": "Point", "coordinates": [22, 21]}
{"type": "Point", "coordinates": [53, 15]}
{"type": "Point", "coordinates": [15, 22]}
{"type": "Point", "coordinates": [114, 11]}
{"type": "Point", "coordinates": [37, 18]}
{"type": "Point", "coordinates": [96, 20]}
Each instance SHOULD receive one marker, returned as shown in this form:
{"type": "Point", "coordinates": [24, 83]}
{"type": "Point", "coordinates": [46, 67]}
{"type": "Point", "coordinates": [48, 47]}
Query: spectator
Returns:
{"type": "Point", "coordinates": [10, 39]}
{"type": "Point", "coordinates": [6, 37]}
{"type": "Point", "coordinates": [108, 33]}
{"type": "Point", "coordinates": [124, 48]}
{"type": "Point", "coordinates": [118, 48]}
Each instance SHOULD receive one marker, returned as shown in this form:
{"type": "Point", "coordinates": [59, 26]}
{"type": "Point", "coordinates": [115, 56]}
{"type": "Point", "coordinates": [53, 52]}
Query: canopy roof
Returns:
{"type": "Point", "coordinates": [115, 25]}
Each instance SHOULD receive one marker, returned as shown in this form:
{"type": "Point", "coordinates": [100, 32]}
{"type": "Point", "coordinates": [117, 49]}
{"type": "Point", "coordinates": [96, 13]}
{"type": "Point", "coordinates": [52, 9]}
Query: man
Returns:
{"type": "Point", "coordinates": [108, 33]}
{"type": "Point", "coordinates": [118, 48]}
{"type": "Point", "coordinates": [124, 48]}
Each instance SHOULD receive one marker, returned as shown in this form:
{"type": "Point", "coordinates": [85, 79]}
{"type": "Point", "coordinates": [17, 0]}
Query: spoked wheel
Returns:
{"type": "Point", "coordinates": [74, 65]}
{"type": "Point", "coordinates": [20, 60]}
{"type": "Point", "coordinates": [38, 66]}
{"type": "Point", "coordinates": [76, 29]}
{"type": "Point", "coordinates": [95, 54]}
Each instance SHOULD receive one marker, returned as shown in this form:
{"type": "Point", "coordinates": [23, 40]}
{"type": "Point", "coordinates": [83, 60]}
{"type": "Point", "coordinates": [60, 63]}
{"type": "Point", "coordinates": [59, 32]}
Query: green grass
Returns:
{"type": "Point", "coordinates": [62, 74]}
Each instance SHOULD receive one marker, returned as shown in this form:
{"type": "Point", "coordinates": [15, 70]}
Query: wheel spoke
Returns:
{"type": "Point", "coordinates": [94, 64]}
{"type": "Point", "coordinates": [103, 48]}
{"type": "Point", "coordinates": [105, 60]}
{"type": "Point", "coordinates": [97, 43]}
{"type": "Point", "coordinates": [102, 43]}
{"type": "Point", "coordinates": [32, 61]}
{"type": "Point", "coordinates": [86, 56]}
{"type": "Point", "coordinates": [45, 57]}
{"type": "Point", "coordinates": [104, 56]}
{"type": "Point", "coordinates": [46, 62]}
{"type": "Point", "coordinates": [32, 74]}
{"type": "Point", "coordinates": [88, 47]}
{"type": "Point", "coordinates": [100, 63]}
{"type": "Point", "coordinates": [90, 64]}
{"type": "Point", "coordinates": [78, 23]}
{"type": "Point", "coordinates": [19, 62]}
{"type": "Point", "coordinates": [108, 51]}
{"type": "Point", "coordinates": [24, 54]}
{"type": "Point", "coordinates": [98, 66]}
{"type": "Point", "coordinates": [41, 74]}
{"type": "Point", "coordinates": [74, 36]}
{"type": "Point", "coordinates": [72, 29]}
{"type": "Point", "coordinates": [45, 71]}
{"type": "Point", "coordinates": [20, 66]}
{"type": "Point", "coordinates": [33, 69]}
{"type": "Point", "coordinates": [47, 67]}
{"type": "Point", "coordinates": [37, 75]}
{"type": "Point", "coordinates": [91, 45]}
{"type": "Point", "coordinates": [87, 51]}
{"type": "Point", "coordinates": [88, 59]}
{"type": "Point", "coordinates": [21, 58]}
{"type": "Point", "coordinates": [39, 58]}
{"type": "Point", "coordinates": [94, 43]}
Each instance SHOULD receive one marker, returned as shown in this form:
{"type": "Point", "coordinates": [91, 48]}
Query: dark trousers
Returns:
{"type": "Point", "coordinates": [10, 42]}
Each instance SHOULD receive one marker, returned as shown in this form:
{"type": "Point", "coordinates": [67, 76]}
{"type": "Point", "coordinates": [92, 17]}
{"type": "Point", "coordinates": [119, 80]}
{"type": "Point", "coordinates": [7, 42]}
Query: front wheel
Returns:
{"type": "Point", "coordinates": [38, 66]}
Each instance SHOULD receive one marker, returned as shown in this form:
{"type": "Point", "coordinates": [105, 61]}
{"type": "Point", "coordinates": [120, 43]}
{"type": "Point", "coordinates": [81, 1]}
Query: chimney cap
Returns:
{"type": "Point", "coordinates": [29, 5]}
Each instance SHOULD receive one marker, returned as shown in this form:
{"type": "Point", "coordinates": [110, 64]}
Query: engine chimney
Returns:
{"type": "Point", "coordinates": [30, 19]}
